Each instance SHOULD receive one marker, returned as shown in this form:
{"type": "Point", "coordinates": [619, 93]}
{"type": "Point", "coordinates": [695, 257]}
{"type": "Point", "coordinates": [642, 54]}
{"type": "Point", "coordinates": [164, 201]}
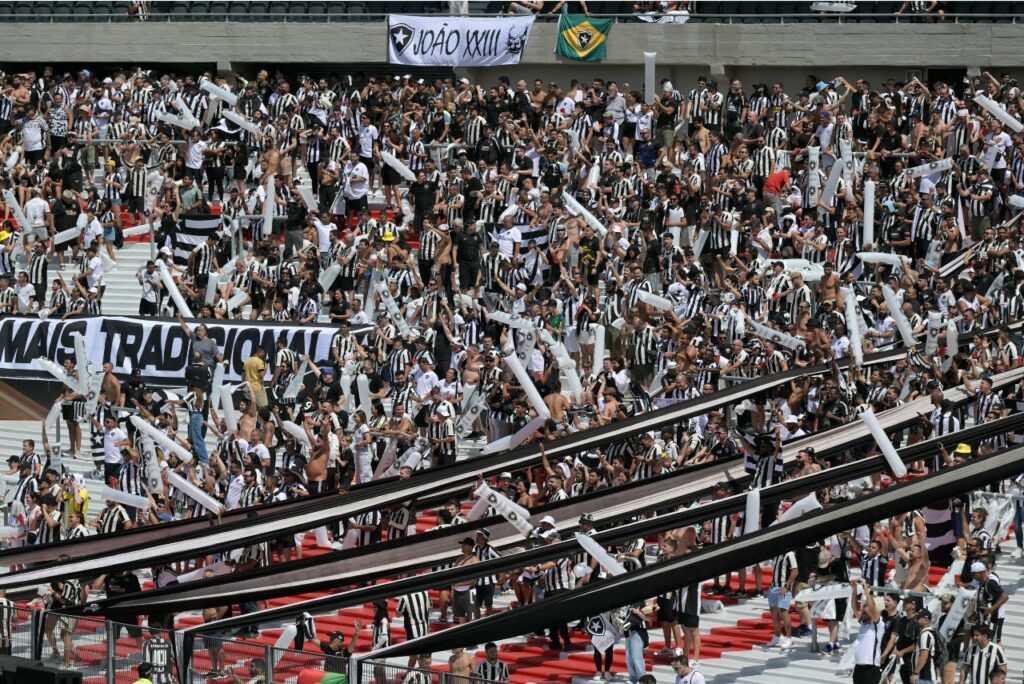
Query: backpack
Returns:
{"type": "Point", "coordinates": [941, 655]}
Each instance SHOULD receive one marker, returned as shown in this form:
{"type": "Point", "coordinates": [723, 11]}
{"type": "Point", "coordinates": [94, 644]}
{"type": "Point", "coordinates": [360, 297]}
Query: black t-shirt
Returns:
{"type": "Point", "coordinates": [328, 391]}
{"type": "Point", "coordinates": [652, 262]}
{"type": "Point", "coordinates": [119, 585]}
{"type": "Point", "coordinates": [666, 119]}
{"type": "Point", "coordinates": [423, 194]}
{"type": "Point", "coordinates": [472, 201]}
{"type": "Point", "coordinates": [339, 663]}
{"type": "Point", "coordinates": [468, 248]}
{"type": "Point", "coordinates": [806, 561]}
{"type": "Point", "coordinates": [733, 106]}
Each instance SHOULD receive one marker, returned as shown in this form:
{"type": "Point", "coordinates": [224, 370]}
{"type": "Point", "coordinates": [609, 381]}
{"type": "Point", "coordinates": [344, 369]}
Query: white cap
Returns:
{"type": "Point", "coordinates": [521, 287]}
{"type": "Point", "coordinates": [667, 86]}
{"type": "Point", "coordinates": [547, 519]}
{"type": "Point", "coordinates": [464, 80]}
{"type": "Point", "coordinates": [976, 566]}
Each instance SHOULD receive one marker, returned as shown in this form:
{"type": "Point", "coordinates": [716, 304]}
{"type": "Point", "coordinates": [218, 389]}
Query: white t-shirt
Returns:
{"type": "Point", "coordinates": [508, 239]}
{"type": "Point", "coordinates": [323, 233]}
{"type": "Point", "coordinates": [194, 160]}
{"type": "Point", "coordinates": [150, 290]}
{"type": "Point", "coordinates": [95, 264]}
{"type": "Point", "coordinates": [32, 134]}
{"type": "Point", "coordinates": [111, 440]}
{"type": "Point", "coordinates": [92, 229]}
{"type": "Point", "coordinates": [366, 137]}
{"type": "Point", "coordinates": [35, 210]}
{"type": "Point", "coordinates": [25, 293]}
{"type": "Point", "coordinates": [357, 189]}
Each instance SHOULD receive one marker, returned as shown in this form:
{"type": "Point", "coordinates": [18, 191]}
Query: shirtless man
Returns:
{"type": "Point", "coordinates": [557, 404]}
{"type": "Point", "coordinates": [610, 413]}
{"type": "Point", "coordinates": [828, 286]}
{"type": "Point", "coordinates": [111, 385]}
{"type": "Point", "coordinates": [460, 666]}
{"type": "Point", "coordinates": [805, 464]}
{"type": "Point", "coordinates": [316, 469]}
{"type": "Point", "coordinates": [246, 417]}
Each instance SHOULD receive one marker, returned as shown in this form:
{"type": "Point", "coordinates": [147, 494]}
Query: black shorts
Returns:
{"type": "Point", "coordinates": [356, 205]}
{"type": "Point", "coordinates": [257, 300]}
{"type": "Point", "coordinates": [33, 156]}
{"type": "Point", "coordinates": [688, 620]}
{"type": "Point", "coordinates": [484, 596]}
{"type": "Point", "coordinates": [665, 611]}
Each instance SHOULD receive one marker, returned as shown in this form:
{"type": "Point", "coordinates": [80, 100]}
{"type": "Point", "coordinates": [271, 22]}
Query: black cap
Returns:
{"type": "Point", "coordinates": [587, 518]}
{"type": "Point", "coordinates": [467, 540]}
{"type": "Point", "coordinates": [145, 669]}
{"type": "Point", "coordinates": [924, 613]}
{"type": "Point", "coordinates": [336, 635]}
{"type": "Point", "coordinates": [484, 532]}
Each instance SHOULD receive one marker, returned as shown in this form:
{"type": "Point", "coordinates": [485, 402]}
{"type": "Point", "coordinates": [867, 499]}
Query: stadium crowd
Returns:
{"type": "Point", "coordinates": [714, 217]}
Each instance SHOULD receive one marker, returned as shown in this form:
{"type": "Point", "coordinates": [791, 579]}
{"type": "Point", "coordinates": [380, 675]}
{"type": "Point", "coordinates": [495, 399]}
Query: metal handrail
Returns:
{"type": "Point", "coordinates": [754, 17]}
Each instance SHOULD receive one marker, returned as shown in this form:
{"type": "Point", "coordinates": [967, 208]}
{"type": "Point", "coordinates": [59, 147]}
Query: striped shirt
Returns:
{"type": "Point", "coordinates": [782, 567]}
{"type": "Point", "coordinates": [492, 672]}
{"type": "Point", "coordinates": [416, 609]}
{"type": "Point", "coordinates": [981, 662]}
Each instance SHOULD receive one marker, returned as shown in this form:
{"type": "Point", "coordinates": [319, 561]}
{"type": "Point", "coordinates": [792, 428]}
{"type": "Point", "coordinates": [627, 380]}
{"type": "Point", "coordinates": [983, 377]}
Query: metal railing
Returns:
{"type": "Point", "coordinates": [695, 17]}
{"type": "Point", "coordinates": [383, 672]}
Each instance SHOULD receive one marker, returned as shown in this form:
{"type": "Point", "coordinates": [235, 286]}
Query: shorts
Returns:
{"type": "Point", "coordinates": [285, 166]}
{"type": "Point", "coordinates": [67, 624]}
{"type": "Point", "coordinates": [462, 603]}
{"type": "Point", "coordinates": [109, 234]}
{"type": "Point", "coordinates": [665, 611]}
{"type": "Point", "coordinates": [688, 620]}
{"type": "Point", "coordinates": [800, 586]}
{"type": "Point", "coordinates": [484, 596]}
{"type": "Point", "coordinates": [259, 396]}
{"type": "Point", "coordinates": [779, 597]}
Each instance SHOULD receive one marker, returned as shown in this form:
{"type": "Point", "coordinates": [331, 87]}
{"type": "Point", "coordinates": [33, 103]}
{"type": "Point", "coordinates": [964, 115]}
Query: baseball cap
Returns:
{"type": "Point", "coordinates": [962, 448]}
{"type": "Point", "coordinates": [521, 287]}
{"type": "Point", "coordinates": [485, 533]}
{"type": "Point", "coordinates": [978, 566]}
{"type": "Point", "coordinates": [505, 476]}
{"type": "Point", "coordinates": [547, 519]}
{"type": "Point", "coordinates": [327, 371]}
{"type": "Point", "coordinates": [467, 541]}
{"type": "Point", "coordinates": [145, 669]}
{"type": "Point", "coordinates": [587, 517]}
{"type": "Point", "coordinates": [335, 635]}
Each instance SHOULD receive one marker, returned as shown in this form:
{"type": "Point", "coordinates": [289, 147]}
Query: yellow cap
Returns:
{"type": "Point", "coordinates": [388, 236]}
{"type": "Point", "coordinates": [962, 448]}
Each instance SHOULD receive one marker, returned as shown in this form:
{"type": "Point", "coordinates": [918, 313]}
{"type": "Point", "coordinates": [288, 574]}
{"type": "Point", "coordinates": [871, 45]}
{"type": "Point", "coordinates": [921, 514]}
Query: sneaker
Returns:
{"type": "Point", "coordinates": [827, 648]}
{"type": "Point", "coordinates": [836, 648]}
{"type": "Point", "coordinates": [803, 631]}
{"type": "Point", "coordinates": [678, 652]}
{"type": "Point", "coordinates": [774, 642]}
{"type": "Point", "coordinates": [695, 664]}
{"type": "Point", "coordinates": [785, 643]}
{"type": "Point", "coordinates": [666, 651]}
{"type": "Point", "coordinates": [1018, 553]}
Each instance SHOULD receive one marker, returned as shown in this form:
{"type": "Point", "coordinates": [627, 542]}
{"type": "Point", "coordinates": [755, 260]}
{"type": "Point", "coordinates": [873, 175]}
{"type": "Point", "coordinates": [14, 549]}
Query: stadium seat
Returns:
{"type": "Point", "coordinates": [277, 10]}
{"type": "Point", "coordinates": [101, 11]}
{"type": "Point", "coordinates": [239, 11]}
{"type": "Point", "coordinates": [198, 11]}
{"type": "Point", "coordinates": [317, 10]}
{"type": "Point", "coordinates": [82, 11]}
{"type": "Point", "coordinates": [357, 11]}
{"type": "Point", "coordinates": [178, 11]}
{"type": "Point", "coordinates": [218, 11]}
{"type": "Point", "coordinates": [337, 11]}
{"type": "Point", "coordinates": [61, 10]}
{"type": "Point", "coordinates": [25, 11]}
{"type": "Point", "coordinates": [298, 11]}
{"type": "Point", "coordinates": [258, 10]}
{"type": "Point", "coordinates": [6, 11]}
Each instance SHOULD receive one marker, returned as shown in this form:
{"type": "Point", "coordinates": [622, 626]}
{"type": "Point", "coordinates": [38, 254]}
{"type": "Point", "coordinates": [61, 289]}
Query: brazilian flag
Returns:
{"type": "Point", "coordinates": [583, 38]}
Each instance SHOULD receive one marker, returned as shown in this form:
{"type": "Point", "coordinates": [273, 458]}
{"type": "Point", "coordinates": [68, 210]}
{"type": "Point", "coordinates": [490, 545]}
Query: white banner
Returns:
{"type": "Point", "coordinates": [158, 346]}
{"type": "Point", "coordinates": [457, 41]}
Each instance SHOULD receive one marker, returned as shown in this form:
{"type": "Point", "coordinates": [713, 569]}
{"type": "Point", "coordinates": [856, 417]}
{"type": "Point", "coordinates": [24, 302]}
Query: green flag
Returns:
{"type": "Point", "coordinates": [583, 38]}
